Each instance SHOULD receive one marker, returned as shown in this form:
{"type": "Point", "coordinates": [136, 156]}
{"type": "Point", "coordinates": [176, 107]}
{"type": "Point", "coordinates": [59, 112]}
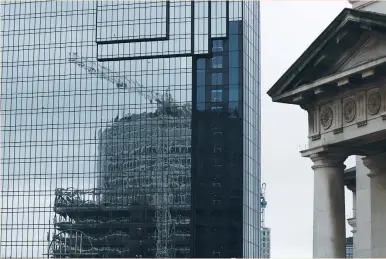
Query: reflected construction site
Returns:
{"type": "Point", "coordinates": [141, 207]}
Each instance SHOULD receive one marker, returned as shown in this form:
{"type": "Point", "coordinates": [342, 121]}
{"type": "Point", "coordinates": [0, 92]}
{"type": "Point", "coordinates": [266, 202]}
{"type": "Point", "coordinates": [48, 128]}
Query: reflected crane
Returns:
{"type": "Point", "coordinates": [164, 101]}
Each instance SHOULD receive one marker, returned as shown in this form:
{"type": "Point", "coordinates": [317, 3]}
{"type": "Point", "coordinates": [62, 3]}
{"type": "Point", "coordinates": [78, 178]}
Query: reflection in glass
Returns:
{"type": "Point", "coordinates": [217, 45]}
{"type": "Point", "coordinates": [217, 78]}
{"type": "Point", "coordinates": [97, 126]}
{"type": "Point", "coordinates": [216, 95]}
{"type": "Point", "coordinates": [217, 62]}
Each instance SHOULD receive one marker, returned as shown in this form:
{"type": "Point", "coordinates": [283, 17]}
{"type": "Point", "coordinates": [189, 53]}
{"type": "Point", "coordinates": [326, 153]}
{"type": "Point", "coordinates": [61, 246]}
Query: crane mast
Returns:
{"type": "Point", "coordinates": [263, 204]}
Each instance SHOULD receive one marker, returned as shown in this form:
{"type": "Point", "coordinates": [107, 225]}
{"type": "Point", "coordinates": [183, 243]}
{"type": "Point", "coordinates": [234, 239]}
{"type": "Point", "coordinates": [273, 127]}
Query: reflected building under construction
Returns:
{"type": "Point", "coordinates": [141, 207]}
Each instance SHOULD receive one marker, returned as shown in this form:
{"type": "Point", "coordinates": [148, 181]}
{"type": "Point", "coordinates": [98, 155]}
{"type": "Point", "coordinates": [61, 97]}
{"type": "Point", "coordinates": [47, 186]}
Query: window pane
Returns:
{"type": "Point", "coordinates": [217, 79]}
{"type": "Point", "coordinates": [233, 42]}
{"type": "Point", "coordinates": [200, 78]}
{"type": "Point", "coordinates": [217, 62]}
{"type": "Point", "coordinates": [233, 93]}
{"type": "Point", "coordinates": [234, 78]}
{"type": "Point", "coordinates": [233, 106]}
{"type": "Point", "coordinates": [234, 59]}
{"type": "Point", "coordinates": [200, 94]}
{"type": "Point", "coordinates": [216, 108]}
{"type": "Point", "coordinates": [201, 63]}
{"type": "Point", "coordinates": [218, 46]}
{"type": "Point", "coordinates": [216, 95]}
{"type": "Point", "coordinates": [201, 106]}
{"type": "Point", "coordinates": [233, 28]}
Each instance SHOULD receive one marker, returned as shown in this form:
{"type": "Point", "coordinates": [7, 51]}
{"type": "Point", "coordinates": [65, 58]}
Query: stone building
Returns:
{"type": "Point", "coordinates": [339, 81]}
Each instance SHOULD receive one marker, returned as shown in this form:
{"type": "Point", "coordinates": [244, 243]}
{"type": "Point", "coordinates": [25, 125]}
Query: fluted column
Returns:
{"type": "Point", "coordinates": [329, 230]}
{"type": "Point", "coordinates": [377, 166]}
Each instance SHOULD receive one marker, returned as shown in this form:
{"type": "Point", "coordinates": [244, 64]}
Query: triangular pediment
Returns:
{"type": "Point", "coordinates": [372, 46]}
{"type": "Point", "coordinates": [354, 38]}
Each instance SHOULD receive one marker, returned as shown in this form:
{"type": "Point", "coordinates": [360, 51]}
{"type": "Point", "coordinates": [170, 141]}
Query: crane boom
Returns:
{"type": "Point", "coordinates": [122, 82]}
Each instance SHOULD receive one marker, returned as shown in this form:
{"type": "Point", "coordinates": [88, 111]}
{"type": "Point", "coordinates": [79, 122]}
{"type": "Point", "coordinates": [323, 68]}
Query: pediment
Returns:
{"type": "Point", "coordinates": [354, 38]}
{"type": "Point", "coordinates": [372, 46]}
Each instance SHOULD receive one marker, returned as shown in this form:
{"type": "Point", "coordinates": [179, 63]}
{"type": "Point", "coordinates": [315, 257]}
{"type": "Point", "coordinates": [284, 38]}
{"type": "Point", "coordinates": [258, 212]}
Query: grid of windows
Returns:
{"type": "Point", "coordinates": [96, 156]}
{"type": "Point", "coordinates": [98, 123]}
{"type": "Point", "coordinates": [265, 243]}
{"type": "Point", "coordinates": [251, 127]}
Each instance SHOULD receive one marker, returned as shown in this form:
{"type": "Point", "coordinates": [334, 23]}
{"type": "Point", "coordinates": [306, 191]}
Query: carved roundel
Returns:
{"type": "Point", "coordinates": [349, 110]}
{"type": "Point", "coordinates": [374, 103]}
{"type": "Point", "coordinates": [326, 116]}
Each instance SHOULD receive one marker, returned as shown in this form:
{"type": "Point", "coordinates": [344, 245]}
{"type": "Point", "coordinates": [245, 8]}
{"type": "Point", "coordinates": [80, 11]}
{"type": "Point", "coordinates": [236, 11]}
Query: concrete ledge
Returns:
{"type": "Point", "coordinates": [324, 149]}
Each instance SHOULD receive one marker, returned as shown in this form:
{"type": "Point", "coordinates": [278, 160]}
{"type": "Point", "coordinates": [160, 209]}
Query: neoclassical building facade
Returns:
{"type": "Point", "coordinates": [340, 81]}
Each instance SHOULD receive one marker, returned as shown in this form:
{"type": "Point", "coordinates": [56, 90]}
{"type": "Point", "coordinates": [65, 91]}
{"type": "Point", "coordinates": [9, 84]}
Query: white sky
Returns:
{"type": "Point", "coordinates": [288, 28]}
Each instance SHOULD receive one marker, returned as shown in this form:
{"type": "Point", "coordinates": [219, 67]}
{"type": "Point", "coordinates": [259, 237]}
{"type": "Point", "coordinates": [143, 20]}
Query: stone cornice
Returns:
{"type": "Point", "coordinates": [324, 150]}
{"type": "Point", "coordinates": [359, 4]}
{"type": "Point", "coordinates": [316, 87]}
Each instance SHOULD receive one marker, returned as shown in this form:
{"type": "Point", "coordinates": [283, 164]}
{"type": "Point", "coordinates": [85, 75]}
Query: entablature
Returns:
{"type": "Point", "coordinates": [349, 114]}
{"type": "Point", "coordinates": [348, 79]}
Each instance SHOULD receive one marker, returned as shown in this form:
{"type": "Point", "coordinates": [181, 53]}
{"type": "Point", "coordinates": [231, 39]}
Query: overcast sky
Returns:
{"type": "Point", "coordinates": [288, 28]}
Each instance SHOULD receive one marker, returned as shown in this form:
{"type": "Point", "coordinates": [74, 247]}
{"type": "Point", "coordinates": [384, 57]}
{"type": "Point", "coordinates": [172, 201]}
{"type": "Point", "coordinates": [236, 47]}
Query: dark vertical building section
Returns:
{"type": "Point", "coordinates": [218, 175]}
{"type": "Point", "coordinates": [130, 129]}
{"type": "Point", "coordinates": [349, 247]}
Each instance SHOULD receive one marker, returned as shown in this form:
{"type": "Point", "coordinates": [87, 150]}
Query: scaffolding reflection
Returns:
{"type": "Point", "coordinates": [141, 205]}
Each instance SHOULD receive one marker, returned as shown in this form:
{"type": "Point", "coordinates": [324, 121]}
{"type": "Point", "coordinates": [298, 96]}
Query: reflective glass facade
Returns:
{"type": "Point", "coordinates": [130, 129]}
{"type": "Point", "coordinates": [349, 247]}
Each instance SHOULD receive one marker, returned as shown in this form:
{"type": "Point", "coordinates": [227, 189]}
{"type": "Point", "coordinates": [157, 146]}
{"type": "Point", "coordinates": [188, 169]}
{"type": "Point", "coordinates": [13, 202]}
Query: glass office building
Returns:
{"type": "Point", "coordinates": [130, 129]}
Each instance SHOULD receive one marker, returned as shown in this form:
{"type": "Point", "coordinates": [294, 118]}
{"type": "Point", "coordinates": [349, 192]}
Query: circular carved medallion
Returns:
{"type": "Point", "coordinates": [326, 117]}
{"type": "Point", "coordinates": [349, 110]}
{"type": "Point", "coordinates": [374, 103]}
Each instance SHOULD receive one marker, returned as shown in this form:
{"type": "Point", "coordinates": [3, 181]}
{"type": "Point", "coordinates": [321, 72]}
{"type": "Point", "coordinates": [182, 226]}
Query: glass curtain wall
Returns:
{"type": "Point", "coordinates": [251, 129]}
{"type": "Point", "coordinates": [95, 154]}
{"type": "Point", "coordinates": [101, 107]}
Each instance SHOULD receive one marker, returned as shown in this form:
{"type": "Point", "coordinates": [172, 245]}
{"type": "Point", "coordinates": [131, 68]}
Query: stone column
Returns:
{"type": "Point", "coordinates": [362, 237]}
{"type": "Point", "coordinates": [377, 166]}
{"type": "Point", "coordinates": [354, 203]}
{"type": "Point", "coordinates": [329, 229]}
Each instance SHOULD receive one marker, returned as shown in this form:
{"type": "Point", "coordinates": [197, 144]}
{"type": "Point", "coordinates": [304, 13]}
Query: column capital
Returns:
{"type": "Point", "coordinates": [325, 156]}
{"type": "Point", "coordinates": [323, 159]}
{"type": "Point", "coordinates": [352, 188]}
{"type": "Point", "coordinates": [376, 164]}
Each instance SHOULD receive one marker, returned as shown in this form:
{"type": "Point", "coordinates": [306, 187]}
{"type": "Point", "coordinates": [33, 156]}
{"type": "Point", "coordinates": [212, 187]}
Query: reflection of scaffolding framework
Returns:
{"type": "Point", "coordinates": [144, 160]}
{"type": "Point", "coordinates": [157, 162]}
{"type": "Point", "coordinates": [163, 216]}
{"type": "Point", "coordinates": [73, 242]}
